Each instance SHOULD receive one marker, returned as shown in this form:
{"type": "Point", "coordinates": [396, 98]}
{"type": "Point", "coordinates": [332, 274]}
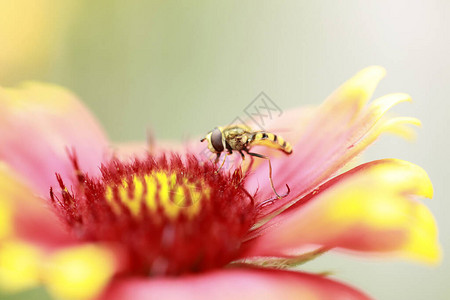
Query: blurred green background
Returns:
{"type": "Point", "coordinates": [182, 68]}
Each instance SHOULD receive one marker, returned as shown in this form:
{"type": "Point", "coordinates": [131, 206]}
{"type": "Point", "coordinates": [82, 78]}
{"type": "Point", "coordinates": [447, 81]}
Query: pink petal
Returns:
{"type": "Point", "coordinates": [234, 284]}
{"type": "Point", "coordinates": [31, 218]}
{"type": "Point", "coordinates": [338, 131]}
{"type": "Point", "coordinates": [38, 123]}
{"type": "Point", "coordinates": [371, 208]}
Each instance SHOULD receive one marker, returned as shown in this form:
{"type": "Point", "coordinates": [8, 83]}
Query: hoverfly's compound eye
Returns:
{"type": "Point", "coordinates": [216, 140]}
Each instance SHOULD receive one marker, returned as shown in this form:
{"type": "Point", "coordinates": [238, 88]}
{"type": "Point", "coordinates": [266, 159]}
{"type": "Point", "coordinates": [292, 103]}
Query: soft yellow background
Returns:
{"type": "Point", "coordinates": [183, 67]}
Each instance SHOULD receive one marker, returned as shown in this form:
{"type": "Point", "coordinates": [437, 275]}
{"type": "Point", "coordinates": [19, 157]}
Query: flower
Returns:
{"type": "Point", "coordinates": [167, 225]}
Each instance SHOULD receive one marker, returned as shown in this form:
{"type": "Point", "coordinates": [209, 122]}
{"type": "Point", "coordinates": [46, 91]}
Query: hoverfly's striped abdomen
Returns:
{"type": "Point", "coordinates": [271, 140]}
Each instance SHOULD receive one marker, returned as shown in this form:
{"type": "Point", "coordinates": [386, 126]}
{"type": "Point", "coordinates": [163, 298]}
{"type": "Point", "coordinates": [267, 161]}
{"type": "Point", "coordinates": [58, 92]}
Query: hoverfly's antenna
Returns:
{"type": "Point", "coordinates": [270, 173]}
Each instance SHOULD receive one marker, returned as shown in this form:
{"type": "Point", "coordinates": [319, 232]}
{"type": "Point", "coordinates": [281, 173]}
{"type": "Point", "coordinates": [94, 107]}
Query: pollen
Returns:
{"type": "Point", "coordinates": [170, 216]}
{"type": "Point", "coordinates": [174, 194]}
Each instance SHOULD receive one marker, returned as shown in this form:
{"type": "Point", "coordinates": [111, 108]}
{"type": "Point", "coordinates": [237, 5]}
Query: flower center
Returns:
{"type": "Point", "coordinates": [169, 216]}
{"type": "Point", "coordinates": [173, 195]}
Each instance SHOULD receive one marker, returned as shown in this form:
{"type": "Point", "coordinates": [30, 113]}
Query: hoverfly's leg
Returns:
{"type": "Point", "coordinates": [252, 160]}
{"type": "Point", "coordinates": [242, 154]}
{"type": "Point", "coordinates": [270, 172]}
{"type": "Point", "coordinates": [246, 166]}
{"type": "Point", "coordinates": [245, 170]}
{"type": "Point", "coordinates": [217, 158]}
{"type": "Point", "coordinates": [273, 199]}
{"type": "Point", "coordinates": [257, 155]}
{"type": "Point", "coordinates": [223, 162]}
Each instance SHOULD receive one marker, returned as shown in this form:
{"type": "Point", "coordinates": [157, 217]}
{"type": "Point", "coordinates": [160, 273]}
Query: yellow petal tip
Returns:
{"type": "Point", "coordinates": [79, 273]}
{"type": "Point", "coordinates": [379, 71]}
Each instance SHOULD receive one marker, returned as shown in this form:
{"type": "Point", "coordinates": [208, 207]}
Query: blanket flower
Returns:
{"type": "Point", "coordinates": [90, 222]}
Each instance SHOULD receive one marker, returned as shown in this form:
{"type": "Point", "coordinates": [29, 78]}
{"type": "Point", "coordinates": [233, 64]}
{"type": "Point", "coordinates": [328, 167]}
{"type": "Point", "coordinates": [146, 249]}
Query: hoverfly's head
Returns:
{"type": "Point", "coordinates": [215, 140]}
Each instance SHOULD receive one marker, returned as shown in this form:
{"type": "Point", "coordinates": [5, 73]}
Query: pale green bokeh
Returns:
{"type": "Point", "coordinates": [183, 68]}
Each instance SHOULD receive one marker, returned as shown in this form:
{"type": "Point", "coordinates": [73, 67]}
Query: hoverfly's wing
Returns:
{"type": "Point", "coordinates": [241, 128]}
{"type": "Point", "coordinates": [281, 124]}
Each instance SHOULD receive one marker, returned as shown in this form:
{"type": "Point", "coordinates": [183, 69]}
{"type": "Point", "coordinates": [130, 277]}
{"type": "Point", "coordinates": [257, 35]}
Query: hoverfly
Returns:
{"type": "Point", "coordinates": [241, 138]}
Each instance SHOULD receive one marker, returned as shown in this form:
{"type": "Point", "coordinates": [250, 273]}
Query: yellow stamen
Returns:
{"type": "Point", "coordinates": [158, 189]}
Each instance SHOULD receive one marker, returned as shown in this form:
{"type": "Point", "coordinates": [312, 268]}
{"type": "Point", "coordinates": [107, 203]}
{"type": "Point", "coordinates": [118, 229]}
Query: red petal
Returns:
{"type": "Point", "coordinates": [234, 284]}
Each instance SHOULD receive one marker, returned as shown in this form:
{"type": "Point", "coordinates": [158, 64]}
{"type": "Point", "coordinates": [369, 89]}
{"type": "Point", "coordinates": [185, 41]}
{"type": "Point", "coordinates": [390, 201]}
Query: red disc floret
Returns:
{"type": "Point", "coordinates": [169, 215]}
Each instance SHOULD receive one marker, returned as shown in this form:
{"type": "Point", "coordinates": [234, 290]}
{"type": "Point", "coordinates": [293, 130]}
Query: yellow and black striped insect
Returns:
{"type": "Point", "coordinates": [241, 138]}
